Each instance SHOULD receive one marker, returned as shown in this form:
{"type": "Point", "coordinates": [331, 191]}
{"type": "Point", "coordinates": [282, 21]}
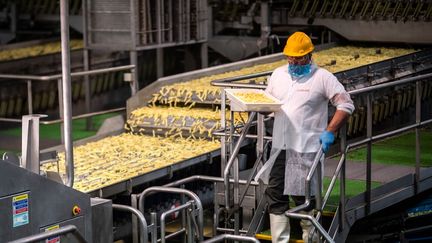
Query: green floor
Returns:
{"type": "Point", "coordinates": [352, 188]}
{"type": "Point", "coordinates": [398, 150]}
{"type": "Point", "coordinates": [53, 131]}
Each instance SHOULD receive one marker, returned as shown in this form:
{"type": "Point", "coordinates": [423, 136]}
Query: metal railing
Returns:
{"type": "Point", "coordinates": [230, 165]}
{"type": "Point", "coordinates": [234, 157]}
{"type": "Point", "coordinates": [340, 169]}
{"type": "Point", "coordinates": [195, 199]}
{"type": "Point", "coordinates": [68, 229]}
{"type": "Point", "coordinates": [368, 140]}
{"type": "Point", "coordinates": [29, 79]}
{"type": "Point", "coordinates": [143, 223]}
{"type": "Point", "coordinates": [195, 178]}
{"type": "Point", "coordinates": [81, 116]}
{"type": "Point", "coordinates": [295, 212]}
{"type": "Point", "coordinates": [223, 237]}
{"type": "Point", "coordinates": [187, 205]}
{"type": "Point", "coordinates": [65, 110]}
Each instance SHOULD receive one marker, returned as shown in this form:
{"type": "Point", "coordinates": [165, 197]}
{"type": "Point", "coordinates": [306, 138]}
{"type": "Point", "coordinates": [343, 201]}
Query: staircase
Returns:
{"type": "Point", "coordinates": [350, 209]}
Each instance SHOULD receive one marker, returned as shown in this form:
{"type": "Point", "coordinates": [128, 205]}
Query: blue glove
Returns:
{"type": "Point", "coordinates": [326, 138]}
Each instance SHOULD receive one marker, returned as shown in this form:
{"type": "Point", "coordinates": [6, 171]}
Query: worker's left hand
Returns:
{"type": "Point", "coordinates": [326, 138]}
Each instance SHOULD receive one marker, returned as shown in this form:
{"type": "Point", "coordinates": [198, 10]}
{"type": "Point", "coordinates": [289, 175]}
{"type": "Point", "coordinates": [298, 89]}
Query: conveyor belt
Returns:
{"type": "Point", "coordinates": [107, 166]}
{"type": "Point", "coordinates": [178, 121]}
{"type": "Point", "coordinates": [36, 50]}
{"type": "Point", "coordinates": [398, 21]}
{"type": "Point", "coordinates": [133, 152]}
{"type": "Point", "coordinates": [414, 10]}
{"type": "Point", "coordinates": [336, 59]}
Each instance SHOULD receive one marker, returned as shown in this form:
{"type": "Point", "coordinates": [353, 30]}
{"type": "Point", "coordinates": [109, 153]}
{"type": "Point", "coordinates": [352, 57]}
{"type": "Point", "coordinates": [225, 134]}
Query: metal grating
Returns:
{"type": "Point", "coordinates": [108, 22]}
{"type": "Point", "coordinates": [145, 24]}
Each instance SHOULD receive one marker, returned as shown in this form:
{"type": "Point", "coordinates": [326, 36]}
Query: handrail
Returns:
{"type": "Point", "coordinates": [313, 221]}
{"type": "Point", "coordinates": [52, 233]}
{"type": "Point", "coordinates": [203, 178]}
{"type": "Point", "coordinates": [311, 172]}
{"type": "Point", "coordinates": [252, 174]}
{"type": "Point", "coordinates": [223, 82]}
{"type": "Point", "coordinates": [389, 134]}
{"type": "Point", "coordinates": [371, 139]}
{"type": "Point", "coordinates": [58, 76]}
{"type": "Point", "coordinates": [63, 87]}
{"type": "Point", "coordinates": [390, 84]}
{"type": "Point", "coordinates": [233, 157]}
{"type": "Point", "coordinates": [293, 212]}
{"type": "Point", "coordinates": [86, 115]}
{"type": "Point", "coordinates": [176, 191]}
{"type": "Point", "coordinates": [165, 214]}
{"type": "Point", "coordinates": [139, 215]}
{"type": "Point", "coordinates": [231, 237]}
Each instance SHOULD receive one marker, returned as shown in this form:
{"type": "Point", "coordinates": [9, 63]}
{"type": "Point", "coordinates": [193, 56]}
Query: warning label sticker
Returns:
{"type": "Point", "coordinates": [54, 239]}
{"type": "Point", "coordinates": [20, 210]}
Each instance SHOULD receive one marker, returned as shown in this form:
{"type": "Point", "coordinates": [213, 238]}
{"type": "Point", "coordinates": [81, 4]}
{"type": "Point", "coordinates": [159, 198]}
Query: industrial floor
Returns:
{"type": "Point", "coordinates": [356, 170]}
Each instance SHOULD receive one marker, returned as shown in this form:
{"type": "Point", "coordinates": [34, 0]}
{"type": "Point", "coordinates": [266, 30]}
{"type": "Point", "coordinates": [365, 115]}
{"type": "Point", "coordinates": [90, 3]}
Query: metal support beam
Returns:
{"type": "Point", "coordinates": [204, 55]}
{"type": "Point", "coordinates": [139, 216]}
{"type": "Point", "coordinates": [369, 153]}
{"type": "Point", "coordinates": [30, 142]}
{"type": "Point", "coordinates": [134, 82]}
{"type": "Point", "coordinates": [417, 133]}
{"type": "Point", "coordinates": [265, 20]}
{"type": "Point", "coordinates": [342, 178]}
{"type": "Point", "coordinates": [87, 91]}
{"type": "Point", "coordinates": [159, 62]}
{"type": "Point", "coordinates": [86, 62]}
{"type": "Point", "coordinates": [66, 87]}
{"type": "Point", "coordinates": [29, 97]}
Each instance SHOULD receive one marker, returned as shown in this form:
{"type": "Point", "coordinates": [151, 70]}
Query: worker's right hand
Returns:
{"type": "Point", "coordinates": [326, 138]}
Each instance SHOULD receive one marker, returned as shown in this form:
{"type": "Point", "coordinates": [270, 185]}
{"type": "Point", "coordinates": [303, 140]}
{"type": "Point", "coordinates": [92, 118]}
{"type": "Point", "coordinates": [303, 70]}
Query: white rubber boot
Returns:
{"type": "Point", "coordinates": [280, 228]}
{"type": "Point", "coordinates": [307, 227]}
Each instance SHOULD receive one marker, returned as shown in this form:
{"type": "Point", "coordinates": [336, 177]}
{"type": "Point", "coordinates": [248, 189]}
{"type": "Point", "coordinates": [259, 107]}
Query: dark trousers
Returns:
{"type": "Point", "coordinates": [277, 202]}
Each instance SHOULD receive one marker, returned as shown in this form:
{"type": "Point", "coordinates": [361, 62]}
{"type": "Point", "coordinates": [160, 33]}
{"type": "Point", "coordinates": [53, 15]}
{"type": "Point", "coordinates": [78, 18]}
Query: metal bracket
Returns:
{"type": "Point", "coordinates": [127, 77]}
{"type": "Point", "coordinates": [170, 172]}
{"type": "Point", "coordinates": [129, 186]}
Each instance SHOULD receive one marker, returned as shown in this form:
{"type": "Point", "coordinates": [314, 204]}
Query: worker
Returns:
{"type": "Point", "coordinates": [300, 128]}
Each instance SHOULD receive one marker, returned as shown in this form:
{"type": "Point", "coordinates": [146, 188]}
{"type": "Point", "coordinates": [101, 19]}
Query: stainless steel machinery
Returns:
{"type": "Point", "coordinates": [39, 206]}
{"type": "Point", "coordinates": [32, 204]}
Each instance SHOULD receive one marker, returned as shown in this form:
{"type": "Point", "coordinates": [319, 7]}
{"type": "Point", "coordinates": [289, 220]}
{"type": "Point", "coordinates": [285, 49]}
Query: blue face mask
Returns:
{"type": "Point", "coordinates": [298, 71]}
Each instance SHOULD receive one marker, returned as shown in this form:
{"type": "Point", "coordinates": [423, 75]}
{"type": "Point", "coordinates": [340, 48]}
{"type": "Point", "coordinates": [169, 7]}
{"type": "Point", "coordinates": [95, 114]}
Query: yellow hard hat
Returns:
{"type": "Point", "coordinates": [298, 44]}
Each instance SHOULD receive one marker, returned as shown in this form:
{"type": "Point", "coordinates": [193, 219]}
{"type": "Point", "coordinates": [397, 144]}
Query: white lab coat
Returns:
{"type": "Point", "coordinates": [301, 120]}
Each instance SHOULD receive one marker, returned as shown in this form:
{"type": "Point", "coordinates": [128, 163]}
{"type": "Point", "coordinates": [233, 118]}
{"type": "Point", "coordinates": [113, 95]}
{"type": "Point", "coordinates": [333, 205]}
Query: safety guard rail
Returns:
{"type": "Point", "coordinates": [68, 229]}
{"type": "Point", "coordinates": [195, 199]}
{"type": "Point", "coordinates": [66, 109]}
{"type": "Point", "coordinates": [143, 223]}
{"type": "Point", "coordinates": [223, 237]}
{"type": "Point", "coordinates": [340, 169]}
